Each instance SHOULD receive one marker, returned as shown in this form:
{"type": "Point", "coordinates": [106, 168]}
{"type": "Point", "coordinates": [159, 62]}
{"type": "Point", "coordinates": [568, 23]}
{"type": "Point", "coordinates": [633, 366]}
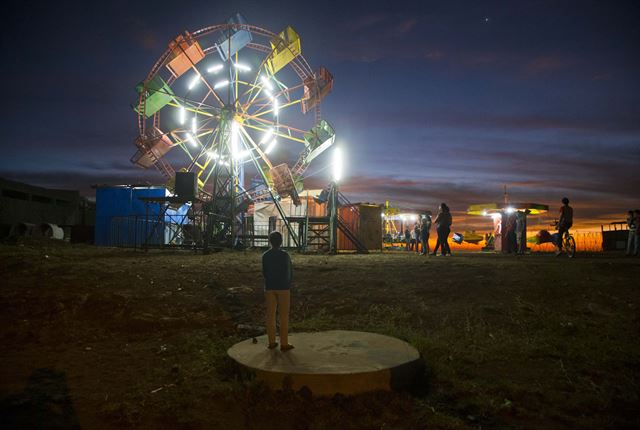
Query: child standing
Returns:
{"type": "Point", "coordinates": [278, 273]}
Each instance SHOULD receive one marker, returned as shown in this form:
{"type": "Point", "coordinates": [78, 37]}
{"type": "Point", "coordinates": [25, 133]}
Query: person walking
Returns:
{"type": "Point", "coordinates": [407, 238]}
{"type": "Point", "coordinates": [521, 231]}
{"type": "Point", "coordinates": [510, 232]}
{"type": "Point", "coordinates": [278, 274]}
{"type": "Point", "coordinates": [412, 244]}
{"type": "Point", "coordinates": [631, 241]}
{"type": "Point", "coordinates": [443, 227]}
{"type": "Point", "coordinates": [424, 233]}
{"type": "Point", "coordinates": [564, 223]}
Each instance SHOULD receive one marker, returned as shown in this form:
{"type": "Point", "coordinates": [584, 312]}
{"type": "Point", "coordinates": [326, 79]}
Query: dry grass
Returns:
{"type": "Point", "coordinates": [125, 338]}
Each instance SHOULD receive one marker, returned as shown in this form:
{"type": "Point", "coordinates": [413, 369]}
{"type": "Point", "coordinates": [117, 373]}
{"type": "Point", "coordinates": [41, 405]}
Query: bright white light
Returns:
{"type": "Point", "coordinates": [337, 164]}
{"type": "Point", "coordinates": [221, 84]}
{"type": "Point", "coordinates": [182, 115]}
{"type": "Point", "coordinates": [193, 82]}
{"type": "Point", "coordinates": [191, 140]}
{"type": "Point", "coordinates": [266, 82]}
{"type": "Point", "coordinates": [268, 93]}
{"type": "Point", "coordinates": [225, 163]}
{"type": "Point", "coordinates": [194, 125]}
{"type": "Point", "coordinates": [242, 67]}
{"type": "Point", "coordinates": [215, 69]}
{"type": "Point", "coordinates": [496, 216]}
{"type": "Point", "coordinates": [484, 213]}
{"type": "Point", "coordinates": [243, 154]}
{"type": "Point", "coordinates": [213, 154]}
{"type": "Point", "coordinates": [276, 107]}
{"type": "Point", "coordinates": [382, 215]}
{"type": "Point", "coordinates": [267, 136]}
{"type": "Point", "coordinates": [235, 129]}
{"type": "Point", "coordinates": [510, 210]}
{"type": "Point", "coordinates": [271, 146]}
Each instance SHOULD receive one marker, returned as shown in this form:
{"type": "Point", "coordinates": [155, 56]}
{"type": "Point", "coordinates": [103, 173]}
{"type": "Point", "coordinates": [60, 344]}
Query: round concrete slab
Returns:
{"type": "Point", "coordinates": [330, 362]}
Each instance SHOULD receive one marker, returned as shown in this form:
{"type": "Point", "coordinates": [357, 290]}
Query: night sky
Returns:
{"type": "Point", "coordinates": [433, 101]}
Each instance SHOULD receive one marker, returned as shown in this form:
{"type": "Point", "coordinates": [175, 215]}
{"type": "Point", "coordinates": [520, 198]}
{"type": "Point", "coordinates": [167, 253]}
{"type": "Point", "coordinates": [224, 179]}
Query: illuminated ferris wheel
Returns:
{"type": "Point", "coordinates": [225, 100]}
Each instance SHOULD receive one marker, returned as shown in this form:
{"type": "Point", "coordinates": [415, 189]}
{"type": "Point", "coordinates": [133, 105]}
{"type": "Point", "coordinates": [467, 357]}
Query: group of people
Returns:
{"type": "Point", "coordinates": [417, 238]}
{"type": "Point", "coordinates": [633, 242]}
{"type": "Point", "coordinates": [278, 271]}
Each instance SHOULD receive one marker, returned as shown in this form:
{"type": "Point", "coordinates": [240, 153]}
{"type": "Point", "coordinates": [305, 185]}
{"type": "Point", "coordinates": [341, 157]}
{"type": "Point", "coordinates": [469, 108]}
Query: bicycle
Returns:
{"type": "Point", "coordinates": [568, 243]}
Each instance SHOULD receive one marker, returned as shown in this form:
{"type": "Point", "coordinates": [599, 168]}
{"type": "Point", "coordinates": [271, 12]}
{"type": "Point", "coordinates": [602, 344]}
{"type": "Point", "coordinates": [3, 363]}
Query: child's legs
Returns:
{"type": "Point", "coordinates": [284, 300]}
{"type": "Point", "coordinates": [271, 300]}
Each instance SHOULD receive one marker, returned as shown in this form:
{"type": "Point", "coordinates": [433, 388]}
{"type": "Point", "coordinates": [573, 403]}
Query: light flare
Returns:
{"type": "Point", "coordinates": [271, 146]}
{"type": "Point", "coordinates": [221, 84]}
{"type": "Point", "coordinates": [337, 164]}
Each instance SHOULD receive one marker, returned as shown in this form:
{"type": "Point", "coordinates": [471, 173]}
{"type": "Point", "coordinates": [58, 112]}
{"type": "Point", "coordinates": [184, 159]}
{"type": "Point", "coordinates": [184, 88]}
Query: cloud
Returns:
{"type": "Point", "coordinates": [609, 122]}
{"type": "Point", "coordinates": [591, 210]}
{"type": "Point", "coordinates": [547, 63]}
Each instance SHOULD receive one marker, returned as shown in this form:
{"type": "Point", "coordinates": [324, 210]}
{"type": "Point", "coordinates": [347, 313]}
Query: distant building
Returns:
{"type": "Point", "coordinates": [28, 204]}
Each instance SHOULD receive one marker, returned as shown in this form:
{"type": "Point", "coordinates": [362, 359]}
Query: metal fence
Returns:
{"type": "Point", "coordinates": [257, 234]}
{"type": "Point", "coordinates": [139, 231]}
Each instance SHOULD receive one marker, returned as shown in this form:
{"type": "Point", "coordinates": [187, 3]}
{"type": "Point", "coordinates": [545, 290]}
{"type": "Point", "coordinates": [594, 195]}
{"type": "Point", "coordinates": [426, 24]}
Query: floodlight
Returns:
{"type": "Point", "coordinates": [271, 146]}
{"type": "Point", "coordinates": [221, 84]}
{"type": "Point", "coordinates": [337, 164]}
{"type": "Point", "coordinates": [267, 136]}
{"type": "Point", "coordinates": [276, 106]}
{"type": "Point", "coordinates": [510, 210]}
{"type": "Point", "coordinates": [242, 67]}
{"type": "Point", "coordinates": [193, 82]}
{"type": "Point", "coordinates": [215, 69]}
{"type": "Point", "coordinates": [182, 115]}
{"type": "Point", "coordinates": [213, 154]}
{"type": "Point", "coordinates": [191, 139]}
{"type": "Point", "coordinates": [234, 138]}
{"type": "Point", "coordinates": [267, 92]}
{"type": "Point", "coordinates": [484, 213]}
{"type": "Point", "coordinates": [266, 82]}
{"type": "Point", "coordinates": [194, 125]}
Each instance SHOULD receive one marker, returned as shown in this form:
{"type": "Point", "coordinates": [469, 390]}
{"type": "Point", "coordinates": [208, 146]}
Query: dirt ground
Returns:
{"type": "Point", "coordinates": [111, 338]}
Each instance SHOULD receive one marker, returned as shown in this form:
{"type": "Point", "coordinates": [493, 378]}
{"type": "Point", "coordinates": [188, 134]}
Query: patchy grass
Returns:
{"type": "Point", "coordinates": [115, 338]}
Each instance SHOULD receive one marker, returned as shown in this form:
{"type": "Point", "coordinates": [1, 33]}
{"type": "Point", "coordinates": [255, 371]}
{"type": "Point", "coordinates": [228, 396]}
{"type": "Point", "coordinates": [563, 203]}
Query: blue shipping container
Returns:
{"type": "Point", "coordinates": [122, 219]}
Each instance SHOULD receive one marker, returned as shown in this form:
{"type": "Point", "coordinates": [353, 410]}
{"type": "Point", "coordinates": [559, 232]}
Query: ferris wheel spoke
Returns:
{"type": "Point", "coordinates": [261, 153]}
{"type": "Point", "coordinates": [272, 95]}
{"type": "Point", "coordinates": [204, 80]}
{"type": "Point", "coordinates": [273, 109]}
{"type": "Point", "coordinates": [267, 122]}
{"type": "Point", "coordinates": [275, 133]}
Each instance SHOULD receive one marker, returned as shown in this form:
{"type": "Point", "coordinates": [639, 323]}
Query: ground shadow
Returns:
{"type": "Point", "coordinates": [45, 403]}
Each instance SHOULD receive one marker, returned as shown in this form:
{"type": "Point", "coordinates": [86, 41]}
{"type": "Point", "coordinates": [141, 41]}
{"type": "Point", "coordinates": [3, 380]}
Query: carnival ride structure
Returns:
{"type": "Point", "coordinates": [228, 101]}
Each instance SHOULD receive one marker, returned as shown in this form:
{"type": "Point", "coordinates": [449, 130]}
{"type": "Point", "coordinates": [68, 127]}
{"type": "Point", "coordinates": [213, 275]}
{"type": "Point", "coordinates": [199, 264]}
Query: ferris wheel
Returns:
{"type": "Point", "coordinates": [223, 101]}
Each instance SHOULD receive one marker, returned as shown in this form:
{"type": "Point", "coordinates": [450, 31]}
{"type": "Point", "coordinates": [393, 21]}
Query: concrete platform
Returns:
{"type": "Point", "coordinates": [330, 362]}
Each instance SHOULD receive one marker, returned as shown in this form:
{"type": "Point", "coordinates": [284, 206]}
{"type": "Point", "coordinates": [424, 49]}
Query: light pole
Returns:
{"type": "Point", "coordinates": [336, 173]}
